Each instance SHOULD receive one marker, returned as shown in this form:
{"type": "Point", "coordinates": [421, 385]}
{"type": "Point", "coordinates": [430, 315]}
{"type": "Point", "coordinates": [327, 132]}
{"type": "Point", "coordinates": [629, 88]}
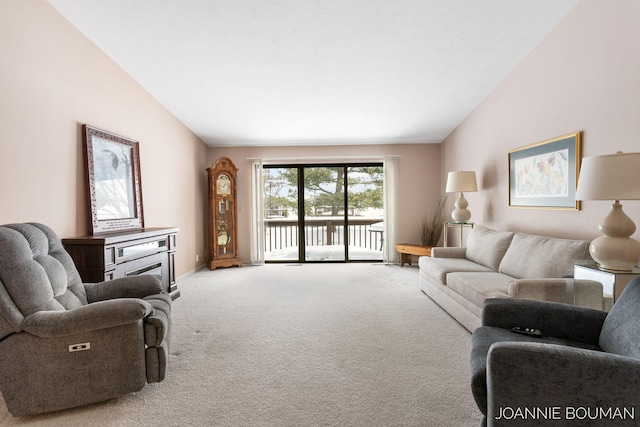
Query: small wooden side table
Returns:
{"type": "Point", "coordinates": [407, 249]}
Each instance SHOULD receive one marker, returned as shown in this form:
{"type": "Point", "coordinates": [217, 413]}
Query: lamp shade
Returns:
{"type": "Point", "coordinates": [610, 177]}
{"type": "Point", "coordinates": [463, 181]}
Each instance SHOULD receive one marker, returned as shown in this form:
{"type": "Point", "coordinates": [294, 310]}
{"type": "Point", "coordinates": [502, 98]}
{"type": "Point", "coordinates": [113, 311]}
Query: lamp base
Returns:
{"type": "Point", "coordinates": [461, 213]}
{"type": "Point", "coordinates": [615, 253]}
{"type": "Point", "coordinates": [615, 250]}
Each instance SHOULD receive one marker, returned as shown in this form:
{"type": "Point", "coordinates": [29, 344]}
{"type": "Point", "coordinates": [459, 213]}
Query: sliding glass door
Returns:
{"type": "Point", "coordinates": [324, 202]}
{"type": "Point", "coordinates": [281, 215]}
{"type": "Point", "coordinates": [316, 213]}
{"type": "Point", "coordinates": [365, 213]}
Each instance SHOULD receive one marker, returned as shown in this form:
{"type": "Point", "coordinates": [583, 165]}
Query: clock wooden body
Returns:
{"type": "Point", "coordinates": [223, 217]}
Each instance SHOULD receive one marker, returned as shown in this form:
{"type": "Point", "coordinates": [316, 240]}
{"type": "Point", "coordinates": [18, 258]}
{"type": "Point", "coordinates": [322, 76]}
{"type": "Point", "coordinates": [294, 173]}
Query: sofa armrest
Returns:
{"type": "Point", "coordinates": [138, 286]}
{"type": "Point", "coordinates": [552, 319]}
{"type": "Point", "coordinates": [91, 317]}
{"type": "Point", "coordinates": [545, 376]}
{"type": "Point", "coordinates": [453, 252]}
{"type": "Point", "coordinates": [583, 293]}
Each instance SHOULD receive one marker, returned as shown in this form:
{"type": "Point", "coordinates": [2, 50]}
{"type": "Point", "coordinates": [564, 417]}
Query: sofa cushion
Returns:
{"type": "Point", "coordinates": [487, 247]}
{"type": "Point", "coordinates": [476, 287]}
{"type": "Point", "coordinates": [438, 268]}
{"type": "Point", "coordinates": [531, 257]}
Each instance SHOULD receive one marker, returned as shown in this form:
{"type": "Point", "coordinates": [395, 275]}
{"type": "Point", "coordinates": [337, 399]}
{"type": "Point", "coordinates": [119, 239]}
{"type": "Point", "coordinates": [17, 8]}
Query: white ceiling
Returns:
{"type": "Point", "coordinates": [309, 72]}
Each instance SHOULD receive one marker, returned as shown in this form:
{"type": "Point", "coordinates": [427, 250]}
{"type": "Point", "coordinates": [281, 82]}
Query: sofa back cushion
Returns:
{"type": "Point", "coordinates": [487, 247]}
{"type": "Point", "coordinates": [538, 257]}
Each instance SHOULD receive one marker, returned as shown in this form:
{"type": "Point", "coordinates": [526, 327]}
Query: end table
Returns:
{"type": "Point", "coordinates": [407, 249]}
{"type": "Point", "coordinates": [613, 282]}
{"type": "Point", "coordinates": [462, 225]}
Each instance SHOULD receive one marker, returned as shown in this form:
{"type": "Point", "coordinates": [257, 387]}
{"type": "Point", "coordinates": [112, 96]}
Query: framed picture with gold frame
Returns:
{"type": "Point", "coordinates": [544, 175]}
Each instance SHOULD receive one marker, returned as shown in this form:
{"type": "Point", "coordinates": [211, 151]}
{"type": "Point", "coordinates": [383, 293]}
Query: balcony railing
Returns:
{"type": "Point", "coordinates": [281, 233]}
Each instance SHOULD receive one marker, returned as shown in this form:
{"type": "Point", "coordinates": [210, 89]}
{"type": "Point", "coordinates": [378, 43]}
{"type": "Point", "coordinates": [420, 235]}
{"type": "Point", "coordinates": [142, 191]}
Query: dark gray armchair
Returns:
{"type": "Point", "coordinates": [64, 343]}
{"type": "Point", "coordinates": [584, 370]}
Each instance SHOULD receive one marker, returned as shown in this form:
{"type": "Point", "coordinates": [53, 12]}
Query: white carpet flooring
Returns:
{"type": "Point", "coordinates": [300, 345]}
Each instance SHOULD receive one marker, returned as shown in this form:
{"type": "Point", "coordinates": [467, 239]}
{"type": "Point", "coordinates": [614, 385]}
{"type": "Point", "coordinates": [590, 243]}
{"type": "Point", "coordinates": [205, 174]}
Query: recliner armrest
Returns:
{"type": "Point", "coordinates": [91, 317]}
{"type": "Point", "coordinates": [124, 287]}
{"type": "Point", "coordinates": [158, 325]}
{"type": "Point", "coordinates": [560, 378]}
{"type": "Point", "coordinates": [553, 319]}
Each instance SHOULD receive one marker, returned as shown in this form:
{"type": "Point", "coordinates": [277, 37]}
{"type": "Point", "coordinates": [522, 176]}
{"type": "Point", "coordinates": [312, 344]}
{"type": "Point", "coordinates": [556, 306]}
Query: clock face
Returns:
{"type": "Point", "coordinates": [223, 185]}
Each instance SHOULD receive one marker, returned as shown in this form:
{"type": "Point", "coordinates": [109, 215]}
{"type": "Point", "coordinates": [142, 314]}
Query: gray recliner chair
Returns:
{"type": "Point", "coordinates": [64, 343]}
{"type": "Point", "coordinates": [583, 370]}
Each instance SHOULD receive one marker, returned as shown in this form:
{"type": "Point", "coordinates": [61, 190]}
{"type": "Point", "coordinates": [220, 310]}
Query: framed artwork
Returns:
{"type": "Point", "coordinates": [113, 181]}
{"type": "Point", "coordinates": [545, 175]}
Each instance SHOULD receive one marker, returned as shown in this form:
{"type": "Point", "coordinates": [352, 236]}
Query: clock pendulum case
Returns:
{"type": "Point", "coordinates": [223, 218]}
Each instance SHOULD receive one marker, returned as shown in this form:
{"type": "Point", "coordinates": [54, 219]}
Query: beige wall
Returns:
{"type": "Point", "coordinates": [418, 177]}
{"type": "Point", "coordinates": [584, 76]}
{"type": "Point", "coordinates": [52, 80]}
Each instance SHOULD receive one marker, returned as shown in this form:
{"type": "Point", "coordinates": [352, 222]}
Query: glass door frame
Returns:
{"type": "Point", "coordinates": [300, 167]}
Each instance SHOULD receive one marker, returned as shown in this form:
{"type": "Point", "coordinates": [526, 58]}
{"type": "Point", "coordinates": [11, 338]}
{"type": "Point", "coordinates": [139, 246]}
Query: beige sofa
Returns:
{"type": "Point", "coordinates": [504, 264]}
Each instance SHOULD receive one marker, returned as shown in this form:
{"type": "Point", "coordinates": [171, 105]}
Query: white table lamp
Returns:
{"type": "Point", "coordinates": [463, 181]}
{"type": "Point", "coordinates": [612, 177]}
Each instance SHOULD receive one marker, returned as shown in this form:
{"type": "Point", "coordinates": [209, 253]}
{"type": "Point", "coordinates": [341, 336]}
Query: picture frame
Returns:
{"type": "Point", "coordinates": [113, 181]}
{"type": "Point", "coordinates": [544, 175]}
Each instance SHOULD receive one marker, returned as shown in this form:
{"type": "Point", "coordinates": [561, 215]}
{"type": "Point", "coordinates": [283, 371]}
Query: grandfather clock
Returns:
{"type": "Point", "coordinates": [223, 218]}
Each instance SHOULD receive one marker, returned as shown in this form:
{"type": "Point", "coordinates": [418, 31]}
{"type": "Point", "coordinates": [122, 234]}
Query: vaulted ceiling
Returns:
{"type": "Point", "coordinates": [311, 72]}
